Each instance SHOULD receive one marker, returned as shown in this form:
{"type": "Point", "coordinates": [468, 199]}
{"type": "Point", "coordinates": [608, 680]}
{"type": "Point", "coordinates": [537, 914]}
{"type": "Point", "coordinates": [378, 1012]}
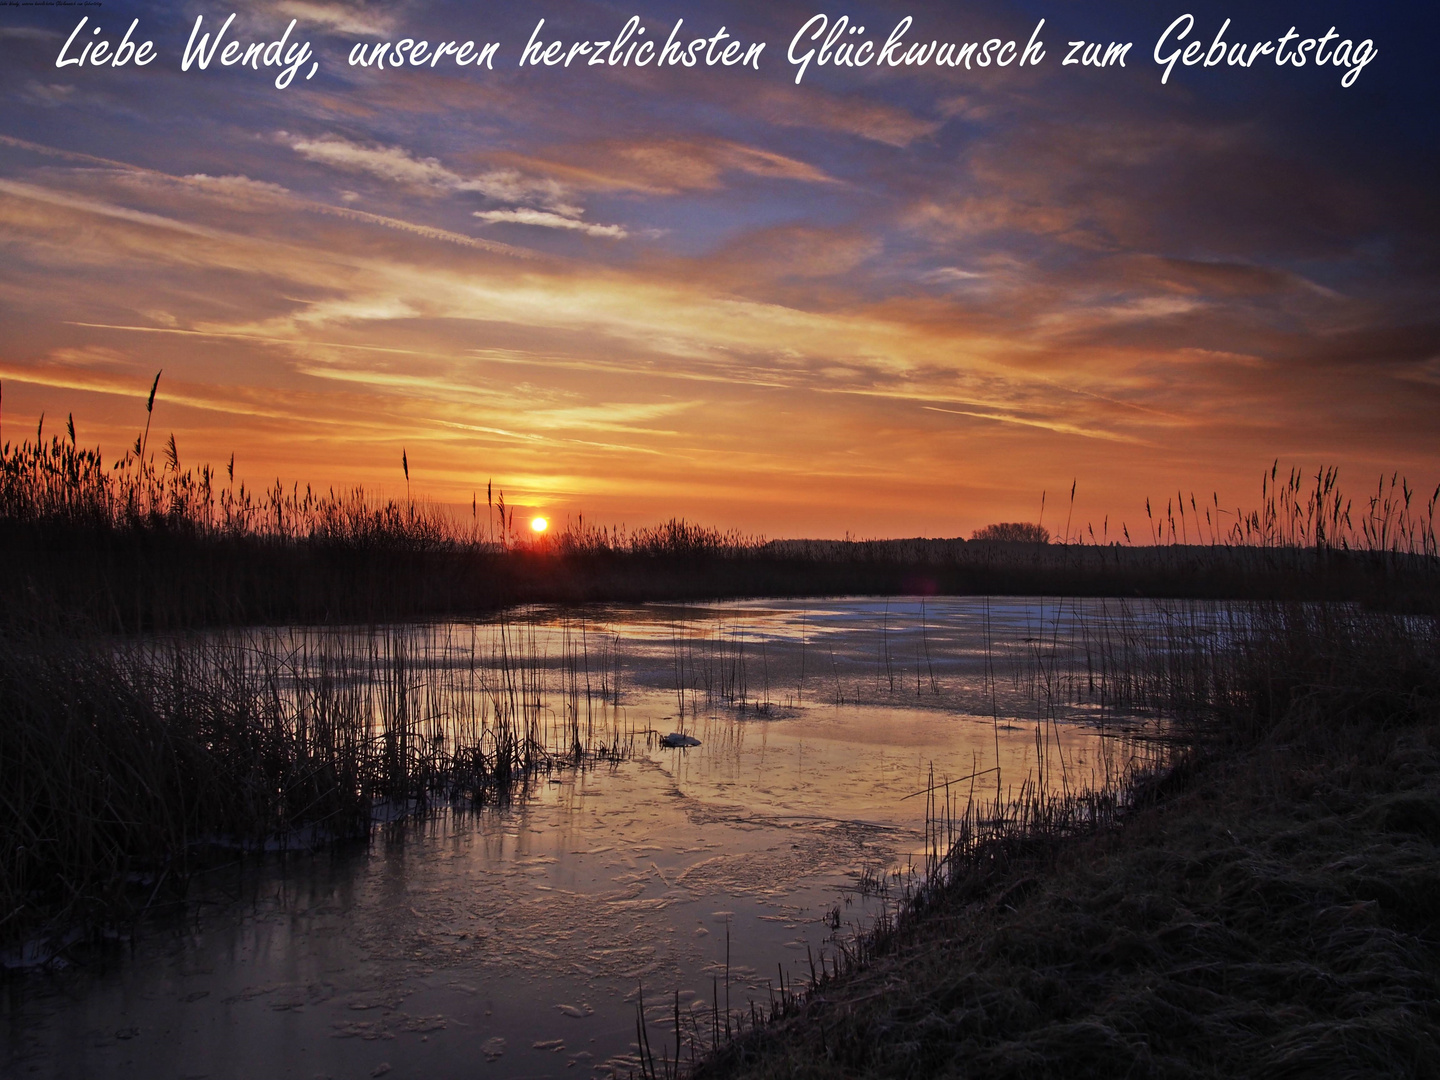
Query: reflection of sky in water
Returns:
{"type": "Point", "coordinates": [512, 941]}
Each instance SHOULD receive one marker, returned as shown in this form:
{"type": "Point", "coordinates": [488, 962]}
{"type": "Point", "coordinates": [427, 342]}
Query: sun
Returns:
{"type": "Point", "coordinates": [539, 525]}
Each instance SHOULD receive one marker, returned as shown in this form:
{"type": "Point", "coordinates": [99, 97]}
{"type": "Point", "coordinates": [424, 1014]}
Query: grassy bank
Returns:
{"type": "Point", "coordinates": [1270, 909]}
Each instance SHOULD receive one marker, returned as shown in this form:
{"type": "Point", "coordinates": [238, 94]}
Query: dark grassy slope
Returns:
{"type": "Point", "coordinates": [1274, 912]}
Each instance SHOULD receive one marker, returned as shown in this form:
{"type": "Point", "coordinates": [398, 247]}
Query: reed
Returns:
{"type": "Point", "coordinates": [123, 762]}
{"type": "Point", "coordinates": [1257, 902]}
{"type": "Point", "coordinates": [133, 544]}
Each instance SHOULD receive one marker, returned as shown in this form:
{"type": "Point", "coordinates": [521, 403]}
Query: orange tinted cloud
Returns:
{"type": "Point", "coordinates": [889, 306]}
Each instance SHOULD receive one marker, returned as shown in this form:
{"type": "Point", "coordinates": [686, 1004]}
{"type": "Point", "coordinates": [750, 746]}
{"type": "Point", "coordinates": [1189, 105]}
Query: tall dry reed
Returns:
{"type": "Point", "coordinates": [122, 762]}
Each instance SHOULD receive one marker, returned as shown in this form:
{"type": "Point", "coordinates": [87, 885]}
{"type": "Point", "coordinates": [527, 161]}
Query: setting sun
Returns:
{"type": "Point", "coordinates": [539, 524]}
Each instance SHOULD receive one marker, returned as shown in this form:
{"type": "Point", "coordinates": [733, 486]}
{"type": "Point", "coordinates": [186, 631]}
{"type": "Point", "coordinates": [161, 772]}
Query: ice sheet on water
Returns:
{"type": "Point", "coordinates": [539, 921]}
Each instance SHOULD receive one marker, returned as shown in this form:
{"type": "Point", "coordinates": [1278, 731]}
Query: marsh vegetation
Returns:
{"type": "Point", "coordinates": [135, 544]}
{"type": "Point", "coordinates": [1266, 907]}
{"type": "Point", "coordinates": [192, 669]}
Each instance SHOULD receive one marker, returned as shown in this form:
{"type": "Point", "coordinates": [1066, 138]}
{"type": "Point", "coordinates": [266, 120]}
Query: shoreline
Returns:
{"type": "Point", "coordinates": [1273, 912]}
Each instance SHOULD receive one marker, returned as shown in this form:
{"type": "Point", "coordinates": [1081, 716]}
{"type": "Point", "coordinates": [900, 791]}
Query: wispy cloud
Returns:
{"type": "Point", "coordinates": [48, 95]}
{"type": "Point", "coordinates": [668, 166]}
{"type": "Point", "coordinates": [346, 18]}
{"type": "Point", "coordinates": [427, 175]}
{"type": "Point", "coordinates": [547, 219]}
{"type": "Point", "coordinates": [1057, 426]}
{"type": "Point", "coordinates": [550, 206]}
{"type": "Point", "coordinates": [951, 275]}
{"type": "Point", "coordinates": [852, 115]}
{"type": "Point", "coordinates": [881, 306]}
{"type": "Point", "coordinates": [240, 189]}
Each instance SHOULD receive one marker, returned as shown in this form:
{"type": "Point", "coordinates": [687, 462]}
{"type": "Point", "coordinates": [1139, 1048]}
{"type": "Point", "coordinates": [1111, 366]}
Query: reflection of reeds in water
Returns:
{"type": "Point", "coordinates": [973, 819]}
{"type": "Point", "coordinates": [1345, 688]}
{"type": "Point", "coordinates": [119, 761]}
{"type": "Point", "coordinates": [711, 669]}
{"type": "Point", "coordinates": [1317, 673]}
{"type": "Point", "coordinates": [1151, 679]}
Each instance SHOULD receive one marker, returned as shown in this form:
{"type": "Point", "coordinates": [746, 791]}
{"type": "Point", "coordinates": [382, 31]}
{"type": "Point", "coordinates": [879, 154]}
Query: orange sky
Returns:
{"type": "Point", "coordinates": [884, 304]}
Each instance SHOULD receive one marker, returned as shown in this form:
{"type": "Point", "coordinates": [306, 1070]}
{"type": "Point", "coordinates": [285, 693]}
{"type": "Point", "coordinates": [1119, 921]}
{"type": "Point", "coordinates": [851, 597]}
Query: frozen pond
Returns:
{"type": "Point", "coordinates": [513, 940]}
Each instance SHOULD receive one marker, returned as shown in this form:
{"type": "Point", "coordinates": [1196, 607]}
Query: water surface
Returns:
{"type": "Point", "coordinates": [515, 940]}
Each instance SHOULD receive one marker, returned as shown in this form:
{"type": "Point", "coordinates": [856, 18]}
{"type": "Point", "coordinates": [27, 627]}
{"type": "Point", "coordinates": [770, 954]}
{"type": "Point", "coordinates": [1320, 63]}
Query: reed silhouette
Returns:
{"type": "Point", "coordinates": [135, 545]}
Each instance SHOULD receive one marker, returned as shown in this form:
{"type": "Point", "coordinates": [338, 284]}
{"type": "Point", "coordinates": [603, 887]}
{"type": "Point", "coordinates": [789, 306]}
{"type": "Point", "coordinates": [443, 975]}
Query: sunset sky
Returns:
{"type": "Point", "coordinates": [892, 302]}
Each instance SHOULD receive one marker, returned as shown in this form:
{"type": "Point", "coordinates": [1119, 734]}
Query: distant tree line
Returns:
{"type": "Point", "coordinates": [1020, 532]}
